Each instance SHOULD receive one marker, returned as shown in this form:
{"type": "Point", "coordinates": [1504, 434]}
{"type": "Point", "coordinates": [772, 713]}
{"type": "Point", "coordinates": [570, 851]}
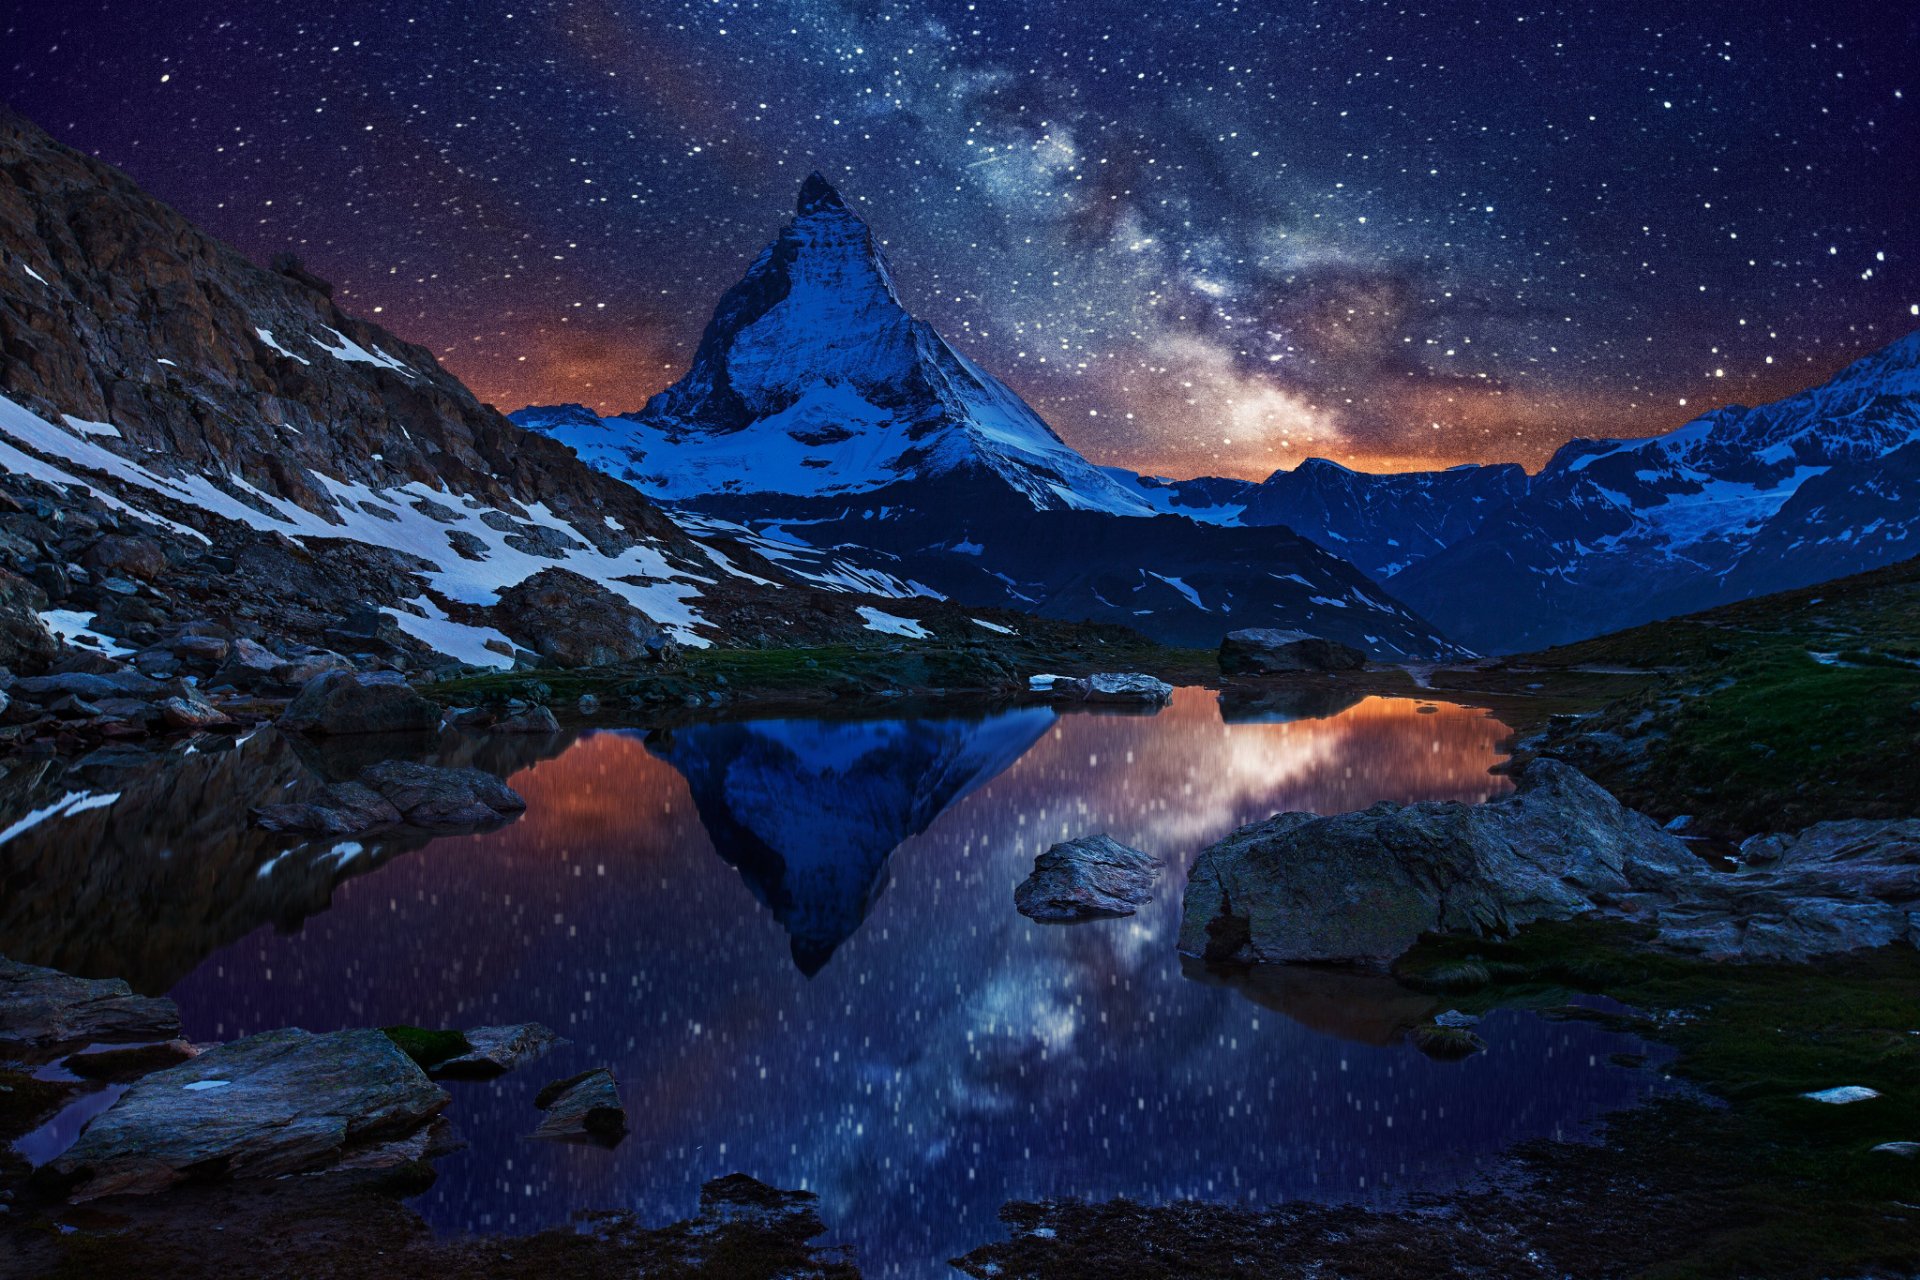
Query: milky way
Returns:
{"type": "Point", "coordinates": [1198, 237]}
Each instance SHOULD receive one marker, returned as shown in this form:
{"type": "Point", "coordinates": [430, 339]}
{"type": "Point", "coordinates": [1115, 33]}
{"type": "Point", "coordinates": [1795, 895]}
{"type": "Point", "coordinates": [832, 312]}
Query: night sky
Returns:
{"type": "Point", "coordinates": [1199, 237]}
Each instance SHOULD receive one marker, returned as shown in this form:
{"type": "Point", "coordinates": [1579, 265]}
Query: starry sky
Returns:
{"type": "Point", "coordinates": [1200, 237]}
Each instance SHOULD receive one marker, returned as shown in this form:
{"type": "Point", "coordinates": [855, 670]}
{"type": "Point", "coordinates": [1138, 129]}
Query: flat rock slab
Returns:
{"type": "Point", "coordinates": [583, 1108]}
{"type": "Point", "coordinates": [1086, 879]}
{"type": "Point", "coordinates": [1836, 886]}
{"type": "Point", "coordinates": [280, 1102]}
{"type": "Point", "coordinates": [498, 1049]}
{"type": "Point", "coordinates": [41, 1008]}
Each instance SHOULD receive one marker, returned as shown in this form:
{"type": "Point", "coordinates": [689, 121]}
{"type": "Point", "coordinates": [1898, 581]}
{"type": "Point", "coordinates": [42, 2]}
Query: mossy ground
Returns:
{"type": "Point", "coordinates": [1811, 1196]}
{"type": "Point", "coordinates": [1745, 728]}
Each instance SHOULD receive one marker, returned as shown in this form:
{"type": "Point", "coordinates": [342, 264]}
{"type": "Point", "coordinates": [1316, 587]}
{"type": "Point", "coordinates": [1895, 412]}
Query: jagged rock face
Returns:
{"type": "Point", "coordinates": [1362, 887]}
{"type": "Point", "coordinates": [222, 403]}
{"type": "Point", "coordinates": [1740, 502]}
{"type": "Point", "coordinates": [819, 409]}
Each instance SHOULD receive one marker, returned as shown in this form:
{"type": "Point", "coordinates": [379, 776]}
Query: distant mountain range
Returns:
{"type": "Point", "coordinates": [819, 413]}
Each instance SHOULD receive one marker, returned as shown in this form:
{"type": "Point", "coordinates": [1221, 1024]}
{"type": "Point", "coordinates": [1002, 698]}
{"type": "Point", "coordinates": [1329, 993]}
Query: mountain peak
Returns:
{"type": "Point", "coordinates": [816, 194]}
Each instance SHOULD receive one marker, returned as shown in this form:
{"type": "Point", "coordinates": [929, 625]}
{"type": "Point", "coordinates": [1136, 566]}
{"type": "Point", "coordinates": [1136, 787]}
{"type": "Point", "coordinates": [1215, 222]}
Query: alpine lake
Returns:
{"type": "Point", "coordinates": [794, 941]}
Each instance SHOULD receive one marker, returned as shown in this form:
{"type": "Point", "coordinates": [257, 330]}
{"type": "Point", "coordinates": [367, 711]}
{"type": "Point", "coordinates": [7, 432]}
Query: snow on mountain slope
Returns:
{"type": "Point", "coordinates": [1738, 502]}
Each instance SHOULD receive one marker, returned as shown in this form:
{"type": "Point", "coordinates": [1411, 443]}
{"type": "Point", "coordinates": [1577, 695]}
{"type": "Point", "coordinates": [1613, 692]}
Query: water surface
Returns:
{"type": "Point", "coordinates": [795, 942]}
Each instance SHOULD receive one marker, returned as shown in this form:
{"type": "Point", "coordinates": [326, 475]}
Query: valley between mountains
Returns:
{"type": "Point", "coordinates": [818, 823]}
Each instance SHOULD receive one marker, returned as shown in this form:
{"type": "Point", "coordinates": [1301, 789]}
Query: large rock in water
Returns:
{"type": "Point", "coordinates": [344, 702]}
{"type": "Point", "coordinates": [1836, 886]}
{"type": "Point", "coordinates": [583, 1108]}
{"type": "Point", "coordinates": [40, 1008]}
{"type": "Point", "coordinates": [1087, 878]}
{"type": "Point", "coordinates": [276, 1103]}
{"type": "Point", "coordinates": [1362, 887]}
{"type": "Point", "coordinates": [1266, 651]}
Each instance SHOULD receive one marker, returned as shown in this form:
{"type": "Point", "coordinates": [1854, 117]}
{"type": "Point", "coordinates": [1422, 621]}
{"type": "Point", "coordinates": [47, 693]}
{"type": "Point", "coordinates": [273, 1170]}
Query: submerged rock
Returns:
{"type": "Point", "coordinates": [40, 1008]}
{"type": "Point", "coordinates": [494, 1050]}
{"type": "Point", "coordinates": [1362, 887]}
{"type": "Point", "coordinates": [1446, 1042]}
{"type": "Point", "coordinates": [1087, 878]}
{"type": "Point", "coordinates": [271, 1104]}
{"type": "Point", "coordinates": [1267, 651]}
{"type": "Point", "coordinates": [347, 702]}
{"type": "Point", "coordinates": [581, 1108]}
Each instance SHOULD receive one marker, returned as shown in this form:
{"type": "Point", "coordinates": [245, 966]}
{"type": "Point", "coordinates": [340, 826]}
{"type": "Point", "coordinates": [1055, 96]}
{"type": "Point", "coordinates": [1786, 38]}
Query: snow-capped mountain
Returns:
{"type": "Point", "coordinates": [819, 415]}
{"type": "Point", "coordinates": [813, 380]}
{"type": "Point", "coordinates": [1739, 502]}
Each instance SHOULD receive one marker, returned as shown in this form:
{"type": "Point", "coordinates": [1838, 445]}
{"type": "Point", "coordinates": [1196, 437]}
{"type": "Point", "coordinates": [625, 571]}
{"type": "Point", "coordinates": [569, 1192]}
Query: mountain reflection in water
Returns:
{"type": "Point", "coordinates": [950, 1054]}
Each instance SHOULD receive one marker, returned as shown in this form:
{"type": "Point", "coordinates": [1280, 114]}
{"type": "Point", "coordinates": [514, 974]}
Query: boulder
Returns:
{"type": "Point", "coordinates": [126, 557]}
{"type": "Point", "coordinates": [1362, 887]}
{"type": "Point", "coordinates": [533, 719]}
{"type": "Point", "coordinates": [191, 713]}
{"type": "Point", "coordinates": [498, 1049]}
{"type": "Point", "coordinates": [25, 642]}
{"type": "Point", "coordinates": [347, 702]}
{"type": "Point", "coordinates": [572, 621]}
{"type": "Point", "coordinates": [297, 672]}
{"type": "Point", "coordinates": [583, 1108]}
{"type": "Point", "coordinates": [248, 664]}
{"type": "Point", "coordinates": [1267, 651]}
{"type": "Point", "coordinates": [396, 791]}
{"type": "Point", "coordinates": [277, 1103]}
{"type": "Point", "coordinates": [40, 1008]}
{"type": "Point", "coordinates": [1087, 878]}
